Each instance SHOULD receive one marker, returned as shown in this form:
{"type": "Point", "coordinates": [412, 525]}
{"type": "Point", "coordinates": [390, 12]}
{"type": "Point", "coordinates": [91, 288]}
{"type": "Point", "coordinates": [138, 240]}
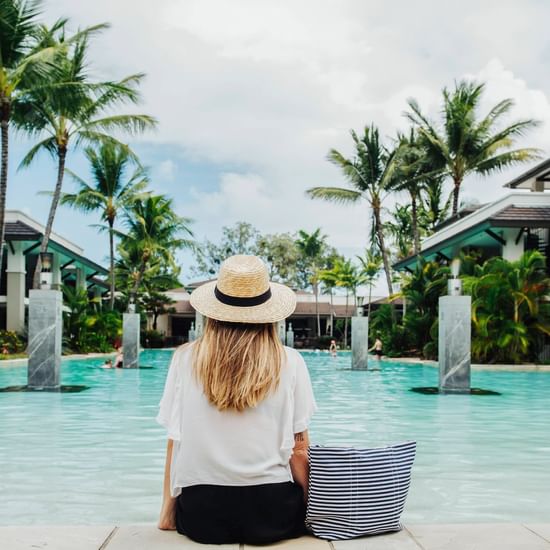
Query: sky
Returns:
{"type": "Point", "coordinates": [251, 95]}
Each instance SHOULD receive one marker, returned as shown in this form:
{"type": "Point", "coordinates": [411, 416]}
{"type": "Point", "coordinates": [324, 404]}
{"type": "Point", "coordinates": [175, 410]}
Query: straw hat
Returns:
{"type": "Point", "coordinates": [244, 294]}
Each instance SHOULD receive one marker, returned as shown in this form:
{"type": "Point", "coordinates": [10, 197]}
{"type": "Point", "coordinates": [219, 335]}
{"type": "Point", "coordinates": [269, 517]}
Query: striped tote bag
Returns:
{"type": "Point", "coordinates": [356, 492]}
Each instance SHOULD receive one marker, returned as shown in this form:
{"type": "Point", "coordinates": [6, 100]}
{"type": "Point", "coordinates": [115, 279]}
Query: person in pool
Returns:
{"type": "Point", "coordinates": [236, 407]}
{"type": "Point", "coordinates": [332, 348]}
{"type": "Point", "coordinates": [377, 347]}
{"type": "Point", "coordinates": [119, 359]}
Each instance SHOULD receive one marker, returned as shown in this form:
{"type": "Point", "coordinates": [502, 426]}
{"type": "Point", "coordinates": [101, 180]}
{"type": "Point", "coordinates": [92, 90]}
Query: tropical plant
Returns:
{"type": "Point", "coordinates": [23, 63]}
{"type": "Point", "coordinates": [400, 228]}
{"type": "Point", "coordinates": [413, 171]}
{"type": "Point", "coordinates": [421, 291]}
{"type": "Point", "coordinates": [370, 173]}
{"type": "Point", "coordinates": [70, 110]}
{"type": "Point", "coordinates": [463, 144]}
{"type": "Point", "coordinates": [434, 208]}
{"type": "Point", "coordinates": [369, 269]}
{"type": "Point", "coordinates": [510, 308]}
{"type": "Point", "coordinates": [154, 232]}
{"type": "Point", "coordinates": [347, 277]}
{"type": "Point", "coordinates": [110, 192]}
{"type": "Point", "coordinates": [311, 247]}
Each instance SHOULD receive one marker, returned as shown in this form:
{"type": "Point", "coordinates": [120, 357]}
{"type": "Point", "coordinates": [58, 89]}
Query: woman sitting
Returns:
{"type": "Point", "coordinates": [236, 406]}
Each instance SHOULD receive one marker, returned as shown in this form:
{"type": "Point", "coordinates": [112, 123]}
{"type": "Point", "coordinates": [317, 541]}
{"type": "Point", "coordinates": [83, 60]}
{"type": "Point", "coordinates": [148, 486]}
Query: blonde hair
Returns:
{"type": "Point", "coordinates": [237, 364]}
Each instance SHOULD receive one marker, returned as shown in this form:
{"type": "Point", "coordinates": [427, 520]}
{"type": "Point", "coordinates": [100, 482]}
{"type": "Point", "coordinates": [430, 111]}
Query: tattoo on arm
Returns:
{"type": "Point", "coordinates": [299, 437]}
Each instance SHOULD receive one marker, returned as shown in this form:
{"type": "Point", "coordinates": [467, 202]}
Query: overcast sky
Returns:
{"type": "Point", "coordinates": [251, 94]}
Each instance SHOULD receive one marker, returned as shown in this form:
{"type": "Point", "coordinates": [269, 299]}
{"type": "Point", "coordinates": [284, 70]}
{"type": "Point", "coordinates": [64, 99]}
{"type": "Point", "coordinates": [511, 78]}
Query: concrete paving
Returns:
{"type": "Point", "coordinates": [497, 536]}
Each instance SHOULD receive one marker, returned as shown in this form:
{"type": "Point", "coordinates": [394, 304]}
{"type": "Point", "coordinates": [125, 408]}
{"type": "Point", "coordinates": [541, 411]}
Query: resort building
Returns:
{"type": "Point", "coordinates": [23, 236]}
{"type": "Point", "coordinates": [507, 227]}
{"type": "Point", "coordinates": [176, 323]}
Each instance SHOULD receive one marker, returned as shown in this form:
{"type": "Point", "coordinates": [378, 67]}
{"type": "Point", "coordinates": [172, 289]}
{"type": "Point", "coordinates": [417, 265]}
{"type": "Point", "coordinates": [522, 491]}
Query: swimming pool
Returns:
{"type": "Point", "coordinates": [98, 456]}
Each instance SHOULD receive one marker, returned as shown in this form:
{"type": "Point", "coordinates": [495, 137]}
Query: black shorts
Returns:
{"type": "Point", "coordinates": [378, 352]}
{"type": "Point", "coordinates": [255, 514]}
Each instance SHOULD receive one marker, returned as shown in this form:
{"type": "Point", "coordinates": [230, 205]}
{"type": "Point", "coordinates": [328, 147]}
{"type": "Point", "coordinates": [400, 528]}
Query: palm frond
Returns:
{"type": "Point", "coordinates": [334, 194]}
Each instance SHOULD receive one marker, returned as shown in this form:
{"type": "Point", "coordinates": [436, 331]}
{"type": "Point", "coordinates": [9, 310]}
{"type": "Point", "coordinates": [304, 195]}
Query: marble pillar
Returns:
{"type": "Point", "coordinates": [191, 334]}
{"type": "Point", "coordinates": [15, 288]}
{"type": "Point", "coordinates": [199, 324]}
{"type": "Point", "coordinates": [290, 336]}
{"type": "Point", "coordinates": [45, 334]}
{"type": "Point", "coordinates": [281, 331]}
{"type": "Point", "coordinates": [81, 282]}
{"type": "Point", "coordinates": [130, 340]}
{"type": "Point", "coordinates": [455, 319]}
{"type": "Point", "coordinates": [359, 342]}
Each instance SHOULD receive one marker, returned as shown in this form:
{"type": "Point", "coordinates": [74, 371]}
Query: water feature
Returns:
{"type": "Point", "coordinates": [98, 456]}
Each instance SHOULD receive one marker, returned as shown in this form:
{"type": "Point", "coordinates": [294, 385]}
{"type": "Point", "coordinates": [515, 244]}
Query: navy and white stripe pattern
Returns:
{"type": "Point", "coordinates": [356, 492]}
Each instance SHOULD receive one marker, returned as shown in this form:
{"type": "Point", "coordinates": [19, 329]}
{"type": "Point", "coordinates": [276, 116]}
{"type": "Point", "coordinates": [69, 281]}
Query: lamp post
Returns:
{"type": "Point", "coordinates": [46, 263]}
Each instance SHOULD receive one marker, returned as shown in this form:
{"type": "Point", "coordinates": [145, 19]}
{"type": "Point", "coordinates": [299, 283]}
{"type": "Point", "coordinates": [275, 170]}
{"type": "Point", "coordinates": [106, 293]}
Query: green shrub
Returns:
{"type": "Point", "coordinates": [11, 341]}
{"type": "Point", "coordinates": [152, 339]}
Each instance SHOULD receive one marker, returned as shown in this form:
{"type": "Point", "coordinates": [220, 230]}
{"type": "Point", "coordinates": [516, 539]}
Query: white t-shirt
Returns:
{"type": "Point", "coordinates": [215, 447]}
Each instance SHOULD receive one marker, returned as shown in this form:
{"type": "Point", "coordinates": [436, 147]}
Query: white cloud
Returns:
{"type": "Point", "coordinates": [268, 87]}
{"type": "Point", "coordinates": [166, 169]}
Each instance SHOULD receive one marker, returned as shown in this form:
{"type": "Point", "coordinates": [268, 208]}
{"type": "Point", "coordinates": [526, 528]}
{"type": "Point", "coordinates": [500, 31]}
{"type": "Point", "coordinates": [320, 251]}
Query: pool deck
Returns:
{"type": "Point", "coordinates": [482, 536]}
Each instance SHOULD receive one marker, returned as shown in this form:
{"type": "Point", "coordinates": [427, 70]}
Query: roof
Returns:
{"type": "Point", "coordinates": [306, 309]}
{"type": "Point", "coordinates": [22, 228]}
{"type": "Point", "coordinates": [19, 231]}
{"type": "Point", "coordinates": [517, 209]}
{"type": "Point", "coordinates": [538, 174]}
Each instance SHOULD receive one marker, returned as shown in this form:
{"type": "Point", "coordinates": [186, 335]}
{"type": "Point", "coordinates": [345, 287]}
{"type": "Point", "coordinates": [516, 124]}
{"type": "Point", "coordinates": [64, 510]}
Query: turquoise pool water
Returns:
{"type": "Point", "coordinates": [98, 456]}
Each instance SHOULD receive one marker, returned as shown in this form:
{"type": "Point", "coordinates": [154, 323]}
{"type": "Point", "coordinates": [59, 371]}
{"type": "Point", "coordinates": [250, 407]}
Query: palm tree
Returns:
{"type": "Point", "coordinates": [401, 229]}
{"type": "Point", "coordinates": [23, 63]}
{"type": "Point", "coordinates": [433, 208]}
{"type": "Point", "coordinates": [329, 279]}
{"type": "Point", "coordinates": [370, 172]}
{"type": "Point", "coordinates": [153, 233]}
{"type": "Point", "coordinates": [413, 172]}
{"type": "Point", "coordinates": [311, 247]}
{"type": "Point", "coordinates": [369, 269]}
{"type": "Point", "coordinates": [463, 144]}
{"type": "Point", "coordinates": [348, 278]}
{"type": "Point", "coordinates": [72, 110]}
{"type": "Point", "coordinates": [110, 192]}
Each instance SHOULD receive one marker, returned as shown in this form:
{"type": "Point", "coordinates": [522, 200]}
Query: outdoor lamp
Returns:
{"type": "Point", "coordinates": [360, 309]}
{"type": "Point", "coordinates": [46, 263]}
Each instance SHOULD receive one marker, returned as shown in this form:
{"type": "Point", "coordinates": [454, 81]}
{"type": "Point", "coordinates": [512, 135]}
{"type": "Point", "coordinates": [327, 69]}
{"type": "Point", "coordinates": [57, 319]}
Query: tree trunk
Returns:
{"type": "Point", "coordinates": [381, 244]}
{"type": "Point", "coordinates": [316, 292]}
{"type": "Point", "coordinates": [111, 265]}
{"type": "Point", "coordinates": [346, 322]}
{"type": "Point", "coordinates": [137, 282]}
{"type": "Point", "coordinates": [456, 192]}
{"type": "Point", "coordinates": [416, 233]}
{"type": "Point", "coordinates": [61, 155]}
{"type": "Point", "coordinates": [370, 296]}
{"type": "Point", "coordinates": [155, 319]}
{"type": "Point", "coordinates": [331, 314]}
{"type": "Point", "coordinates": [4, 123]}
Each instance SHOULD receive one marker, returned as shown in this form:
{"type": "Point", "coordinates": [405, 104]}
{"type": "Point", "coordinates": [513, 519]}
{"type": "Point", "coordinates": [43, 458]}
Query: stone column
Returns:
{"type": "Point", "coordinates": [130, 340]}
{"type": "Point", "coordinates": [15, 284]}
{"type": "Point", "coordinates": [290, 336]}
{"type": "Point", "coordinates": [455, 319]}
{"type": "Point", "coordinates": [45, 333]}
{"type": "Point", "coordinates": [191, 335]}
{"type": "Point", "coordinates": [281, 330]}
{"type": "Point", "coordinates": [199, 324]}
{"type": "Point", "coordinates": [81, 278]}
{"type": "Point", "coordinates": [359, 343]}
{"type": "Point", "coordinates": [56, 273]}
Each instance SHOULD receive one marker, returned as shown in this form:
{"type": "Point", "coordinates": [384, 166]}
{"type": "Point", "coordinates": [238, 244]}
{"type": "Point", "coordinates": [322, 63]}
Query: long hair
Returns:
{"type": "Point", "coordinates": [237, 364]}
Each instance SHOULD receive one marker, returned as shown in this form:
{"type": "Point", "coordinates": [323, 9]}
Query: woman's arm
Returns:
{"type": "Point", "coordinates": [167, 520]}
{"type": "Point", "coordinates": [299, 462]}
